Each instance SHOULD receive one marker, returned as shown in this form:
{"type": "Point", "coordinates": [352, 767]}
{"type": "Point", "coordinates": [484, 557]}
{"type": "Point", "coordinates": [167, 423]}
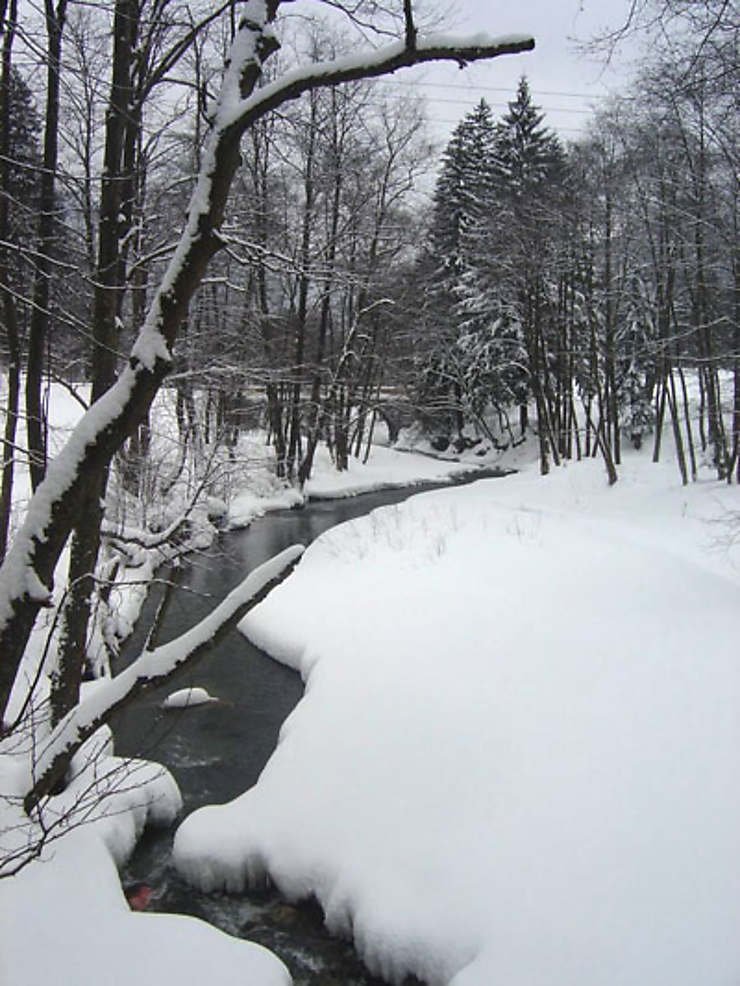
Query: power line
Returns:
{"type": "Point", "coordinates": [570, 130]}
{"type": "Point", "coordinates": [547, 109]}
{"type": "Point", "coordinates": [476, 88]}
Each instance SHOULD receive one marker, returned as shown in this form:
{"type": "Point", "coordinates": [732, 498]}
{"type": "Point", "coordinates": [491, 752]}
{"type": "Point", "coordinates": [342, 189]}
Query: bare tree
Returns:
{"type": "Point", "coordinates": [35, 419]}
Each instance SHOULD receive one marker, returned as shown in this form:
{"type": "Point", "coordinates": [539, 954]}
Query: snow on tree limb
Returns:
{"type": "Point", "coordinates": [382, 61]}
{"type": "Point", "coordinates": [150, 668]}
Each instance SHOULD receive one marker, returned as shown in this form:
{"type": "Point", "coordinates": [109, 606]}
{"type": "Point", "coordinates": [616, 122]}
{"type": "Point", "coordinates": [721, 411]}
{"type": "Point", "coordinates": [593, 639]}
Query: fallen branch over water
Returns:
{"type": "Point", "coordinates": [150, 668]}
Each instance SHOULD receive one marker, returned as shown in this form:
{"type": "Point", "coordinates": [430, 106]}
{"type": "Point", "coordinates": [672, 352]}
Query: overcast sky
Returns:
{"type": "Point", "coordinates": [564, 83]}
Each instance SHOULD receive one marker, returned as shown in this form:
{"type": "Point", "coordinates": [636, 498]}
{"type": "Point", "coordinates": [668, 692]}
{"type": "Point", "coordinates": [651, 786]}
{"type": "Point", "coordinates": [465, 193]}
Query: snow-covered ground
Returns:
{"type": "Point", "coordinates": [386, 468]}
{"type": "Point", "coordinates": [241, 486]}
{"type": "Point", "coordinates": [518, 756]}
{"type": "Point", "coordinates": [517, 759]}
{"type": "Point", "coordinates": [260, 491]}
{"type": "Point", "coordinates": [64, 917]}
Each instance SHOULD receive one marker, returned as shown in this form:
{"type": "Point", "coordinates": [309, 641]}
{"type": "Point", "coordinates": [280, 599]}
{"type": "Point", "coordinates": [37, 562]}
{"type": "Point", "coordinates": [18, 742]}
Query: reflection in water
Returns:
{"type": "Point", "coordinates": [217, 751]}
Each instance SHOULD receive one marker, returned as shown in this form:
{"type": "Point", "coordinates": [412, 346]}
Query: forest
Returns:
{"type": "Point", "coordinates": [215, 220]}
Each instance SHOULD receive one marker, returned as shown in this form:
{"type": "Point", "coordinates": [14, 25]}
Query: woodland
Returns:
{"type": "Point", "coordinates": [221, 201]}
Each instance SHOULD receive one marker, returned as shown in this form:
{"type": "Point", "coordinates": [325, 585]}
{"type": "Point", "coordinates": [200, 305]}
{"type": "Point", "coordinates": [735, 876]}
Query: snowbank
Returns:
{"type": "Point", "coordinates": [259, 491]}
{"type": "Point", "coordinates": [385, 469]}
{"type": "Point", "coordinates": [518, 756]}
{"type": "Point", "coordinates": [68, 923]}
{"type": "Point", "coordinates": [65, 919]}
{"type": "Point", "coordinates": [249, 504]}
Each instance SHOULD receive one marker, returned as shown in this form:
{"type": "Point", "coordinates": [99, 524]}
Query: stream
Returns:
{"type": "Point", "coordinates": [217, 751]}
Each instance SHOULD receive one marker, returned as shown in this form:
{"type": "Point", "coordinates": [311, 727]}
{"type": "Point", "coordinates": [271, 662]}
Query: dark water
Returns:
{"type": "Point", "coordinates": [217, 751]}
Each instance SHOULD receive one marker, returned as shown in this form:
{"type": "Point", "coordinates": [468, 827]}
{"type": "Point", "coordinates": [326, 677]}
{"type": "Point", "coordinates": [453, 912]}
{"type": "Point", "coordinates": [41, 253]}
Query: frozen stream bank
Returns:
{"type": "Point", "coordinates": [217, 751]}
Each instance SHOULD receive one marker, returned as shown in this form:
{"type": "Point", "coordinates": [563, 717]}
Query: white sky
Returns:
{"type": "Point", "coordinates": [564, 83]}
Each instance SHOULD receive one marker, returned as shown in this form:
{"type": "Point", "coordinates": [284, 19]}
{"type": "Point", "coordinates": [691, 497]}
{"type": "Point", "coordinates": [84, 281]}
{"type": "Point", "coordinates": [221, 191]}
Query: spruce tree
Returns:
{"type": "Point", "coordinates": [463, 190]}
{"type": "Point", "coordinates": [502, 294]}
{"type": "Point", "coordinates": [461, 199]}
{"type": "Point", "coordinates": [486, 267]}
{"type": "Point", "coordinates": [19, 180]}
{"type": "Point", "coordinates": [527, 152]}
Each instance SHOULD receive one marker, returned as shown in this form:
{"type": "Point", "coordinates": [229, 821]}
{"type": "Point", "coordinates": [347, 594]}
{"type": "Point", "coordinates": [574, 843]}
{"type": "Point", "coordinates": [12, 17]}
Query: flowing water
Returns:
{"type": "Point", "coordinates": [217, 751]}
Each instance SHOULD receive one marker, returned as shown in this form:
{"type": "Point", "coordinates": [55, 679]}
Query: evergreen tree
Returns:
{"type": "Point", "coordinates": [462, 198]}
{"type": "Point", "coordinates": [464, 187]}
{"type": "Point", "coordinates": [491, 266]}
{"type": "Point", "coordinates": [527, 153]}
{"type": "Point", "coordinates": [494, 297]}
{"type": "Point", "coordinates": [19, 185]}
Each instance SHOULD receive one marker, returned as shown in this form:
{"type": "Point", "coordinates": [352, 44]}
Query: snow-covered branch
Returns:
{"type": "Point", "coordinates": [151, 667]}
{"type": "Point", "coordinates": [381, 61]}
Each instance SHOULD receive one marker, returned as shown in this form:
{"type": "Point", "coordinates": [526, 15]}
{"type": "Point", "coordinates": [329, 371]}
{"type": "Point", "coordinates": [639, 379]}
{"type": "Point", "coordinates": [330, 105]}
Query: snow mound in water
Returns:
{"type": "Point", "coordinates": [187, 698]}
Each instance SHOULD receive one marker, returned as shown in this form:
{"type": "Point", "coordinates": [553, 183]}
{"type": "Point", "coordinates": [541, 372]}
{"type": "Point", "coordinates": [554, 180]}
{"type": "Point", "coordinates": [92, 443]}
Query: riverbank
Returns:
{"type": "Point", "coordinates": [387, 468]}
{"type": "Point", "coordinates": [517, 755]}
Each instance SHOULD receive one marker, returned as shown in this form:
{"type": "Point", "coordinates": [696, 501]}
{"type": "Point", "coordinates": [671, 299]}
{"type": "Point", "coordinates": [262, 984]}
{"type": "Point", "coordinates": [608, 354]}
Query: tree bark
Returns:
{"type": "Point", "coordinates": [40, 315]}
{"type": "Point", "coordinates": [7, 301]}
{"type": "Point", "coordinates": [304, 282]}
{"type": "Point", "coordinates": [121, 127]}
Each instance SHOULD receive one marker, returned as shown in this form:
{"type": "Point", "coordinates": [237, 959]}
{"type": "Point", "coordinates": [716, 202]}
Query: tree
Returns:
{"type": "Point", "coordinates": [531, 167]}
{"type": "Point", "coordinates": [142, 53]}
{"type": "Point", "coordinates": [490, 268]}
{"type": "Point", "coordinates": [528, 155]}
{"type": "Point", "coordinates": [691, 76]}
{"type": "Point", "coordinates": [39, 327]}
{"type": "Point", "coordinates": [19, 127]}
{"type": "Point", "coordinates": [463, 196]}
{"type": "Point", "coordinates": [26, 577]}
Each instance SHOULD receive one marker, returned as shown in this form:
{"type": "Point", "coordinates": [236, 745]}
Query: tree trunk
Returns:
{"type": "Point", "coordinates": [315, 409]}
{"type": "Point", "coordinates": [304, 281]}
{"type": "Point", "coordinates": [611, 402]}
{"type": "Point", "coordinates": [109, 284]}
{"type": "Point", "coordinates": [7, 301]}
{"type": "Point", "coordinates": [736, 340]}
{"type": "Point", "coordinates": [40, 316]}
{"type": "Point", "coordinates": [12, 408]}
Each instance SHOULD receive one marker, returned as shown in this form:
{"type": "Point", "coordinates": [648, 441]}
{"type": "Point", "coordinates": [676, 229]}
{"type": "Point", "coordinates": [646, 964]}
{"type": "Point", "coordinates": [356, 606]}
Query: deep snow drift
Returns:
{"type": "Point", "coordinates": [518, 756]}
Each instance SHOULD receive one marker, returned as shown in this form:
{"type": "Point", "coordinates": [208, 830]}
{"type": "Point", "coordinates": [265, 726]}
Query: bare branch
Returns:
{"type": "Point", "coordinates": [410, 27]}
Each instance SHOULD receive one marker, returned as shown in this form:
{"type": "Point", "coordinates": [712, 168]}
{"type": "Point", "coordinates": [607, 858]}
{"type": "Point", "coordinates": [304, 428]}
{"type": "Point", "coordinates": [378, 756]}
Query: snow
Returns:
{"type": "Point", "coordinates": [185, 698]}
{"type": "Point", "coordinates": [65, 919]}
{"type": "Point", "coordinates": [250, 503]}
{"type": "Point", "coordinates": [368, 62]}
{"type": "Point", "coordinates": [93, 825]}
{"type": "Point", "coordinates": [260, 492]}
{"type": "Point", "coordinates": [516, 759]}
{"type": "Point", "coordinates": [62, 472]}
{"type": "Point", "coordinates": [385, 469]}
{"type": "Point", "coordinates": [67, 922]}
{"type": "Point", "coordinates": [64, 915]}
{"type": "Point", "coordinates": [518, 755]}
